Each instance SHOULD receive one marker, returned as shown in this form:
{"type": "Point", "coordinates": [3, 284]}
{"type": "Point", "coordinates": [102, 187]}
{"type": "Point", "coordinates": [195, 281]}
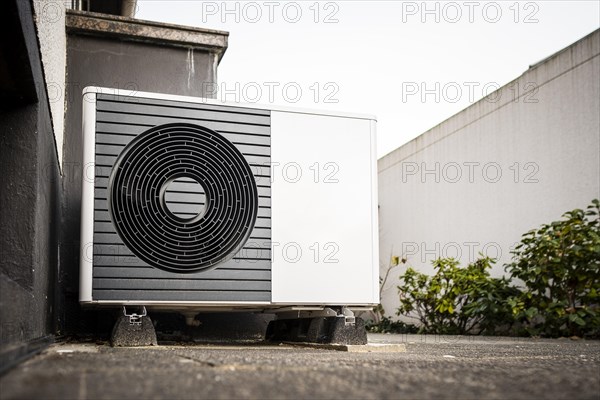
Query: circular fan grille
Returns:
{"type": "Point", "coordinates": [145, 171]}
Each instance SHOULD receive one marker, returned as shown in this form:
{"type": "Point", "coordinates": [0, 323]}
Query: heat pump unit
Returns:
{"type": "Point", "coordinates": [192, 202]}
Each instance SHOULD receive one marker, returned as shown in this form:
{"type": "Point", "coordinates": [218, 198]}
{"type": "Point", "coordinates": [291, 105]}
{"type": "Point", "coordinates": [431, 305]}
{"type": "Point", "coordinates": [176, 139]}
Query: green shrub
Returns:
{"type": "Point", "coordinates": [559, 264]}
{"type": "Point", "coordinates": [386, 325]}
{"type": "Point", "coordinates": [457, 300]}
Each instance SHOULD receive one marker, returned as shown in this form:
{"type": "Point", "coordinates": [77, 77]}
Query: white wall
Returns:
{"type": "Point", "coordinates": [549, 134]}
{"type": "Point", "coordinates": [50, 23]}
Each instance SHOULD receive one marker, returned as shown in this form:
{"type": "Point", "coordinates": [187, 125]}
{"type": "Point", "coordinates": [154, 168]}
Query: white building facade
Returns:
{"type": "Point", "coordinates": [516, 159]}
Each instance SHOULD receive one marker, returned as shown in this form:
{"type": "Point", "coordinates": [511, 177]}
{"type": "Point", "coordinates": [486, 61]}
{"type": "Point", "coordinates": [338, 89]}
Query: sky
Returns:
{"type": "Point", "coordinates": [412, 64]}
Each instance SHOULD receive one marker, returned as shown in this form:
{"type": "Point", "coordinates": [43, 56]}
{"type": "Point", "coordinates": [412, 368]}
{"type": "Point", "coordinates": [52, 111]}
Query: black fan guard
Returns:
{"type": "Point", "coordinates": [154, 234]}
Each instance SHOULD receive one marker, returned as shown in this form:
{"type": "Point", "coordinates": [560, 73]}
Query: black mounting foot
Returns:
{"type": "Point", "coordinates": [326, 330]}
{"type": "Point", "coordinates": [132, 330]}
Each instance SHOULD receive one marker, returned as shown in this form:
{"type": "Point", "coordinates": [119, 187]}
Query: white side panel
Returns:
{"type": "Point", "coordinates": [375, 212]}
{"type": "Point", "coordinates": [323, 225]}
{"type": "Point", "coordinates": [87, 198]}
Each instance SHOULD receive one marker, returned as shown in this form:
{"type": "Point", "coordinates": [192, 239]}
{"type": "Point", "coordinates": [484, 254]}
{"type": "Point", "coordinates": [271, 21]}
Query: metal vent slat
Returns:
{"type": "Point", "coordinates": [243, 273]}
{"type": "Point", "coordinates": [129, 123]}
{"type": "Point", "coordinates": [123, 262]}
{"type": "Point", "coordinates": [181, 295]}
{"type": "Point", "coordinates": [182, 284]}
{"type": "Point", "coordinates": [166, 105]}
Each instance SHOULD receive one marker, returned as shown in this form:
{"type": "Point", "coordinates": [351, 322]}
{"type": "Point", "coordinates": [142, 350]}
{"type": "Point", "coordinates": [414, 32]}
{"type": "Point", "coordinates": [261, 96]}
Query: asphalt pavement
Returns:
{"type": "Point", "coordinates": [432, 367]}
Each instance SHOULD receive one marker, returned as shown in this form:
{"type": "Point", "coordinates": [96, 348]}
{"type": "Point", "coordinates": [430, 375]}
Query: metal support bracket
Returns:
{"type": "Point", "coordinates": [348, 315]}
{"type": "Point", "coordinates": [333, 324]}
{"type": "Point", "coordinates": [300, 312]}
{"type": "Point", "coordinates": [318, 312]}
{"type": "Point", "coordinates": [134, 318]}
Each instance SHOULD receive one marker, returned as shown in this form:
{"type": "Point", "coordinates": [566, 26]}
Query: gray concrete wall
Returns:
{"type": "Point", "coordinates": [122, 53]}
{"type": "Point", "coordinates": [517, 159]}
{"type": "Point", "coordinates": [52, 38]}
{"type": "Point", "coordinates": [39, 207]}
{"type": "Point", "coordinates": [29, 195]}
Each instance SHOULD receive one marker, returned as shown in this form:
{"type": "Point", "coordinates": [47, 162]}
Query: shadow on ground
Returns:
{"type": "Point", "coordinates": [432, 367]}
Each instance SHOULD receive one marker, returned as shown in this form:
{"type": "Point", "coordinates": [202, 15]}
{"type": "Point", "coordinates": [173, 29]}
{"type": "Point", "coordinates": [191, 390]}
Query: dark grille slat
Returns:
{"type": "Point", "coordinates": [243, 272]}
{"type": "Point", "coordinates": [181, 284]}
{"type": "Point", "coordinates": [133, 124]}
{"type": "Point", "coordinates": [128, 102]}
{"type": "Point", "coordinates": [118, 138]}
{"type": "Point", "coordinates": [182, 295]}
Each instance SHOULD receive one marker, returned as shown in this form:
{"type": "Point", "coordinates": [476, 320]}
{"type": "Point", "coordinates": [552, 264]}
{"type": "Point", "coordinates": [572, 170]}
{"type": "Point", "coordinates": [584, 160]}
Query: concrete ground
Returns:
{"type": "Point", "coordinates": [432, 367]}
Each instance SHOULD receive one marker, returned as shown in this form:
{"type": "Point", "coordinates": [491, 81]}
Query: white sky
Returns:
{"type": "Point", "coordinates": [377, 57]}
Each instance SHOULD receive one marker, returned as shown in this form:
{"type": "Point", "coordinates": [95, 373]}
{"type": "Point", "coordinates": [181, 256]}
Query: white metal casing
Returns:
{"type": "Point", "coordinates": [323, 207]}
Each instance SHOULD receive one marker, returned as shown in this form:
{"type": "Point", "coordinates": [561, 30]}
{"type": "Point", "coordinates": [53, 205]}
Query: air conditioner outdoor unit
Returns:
{"type": "Point", "coordinates": [199, 204]}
